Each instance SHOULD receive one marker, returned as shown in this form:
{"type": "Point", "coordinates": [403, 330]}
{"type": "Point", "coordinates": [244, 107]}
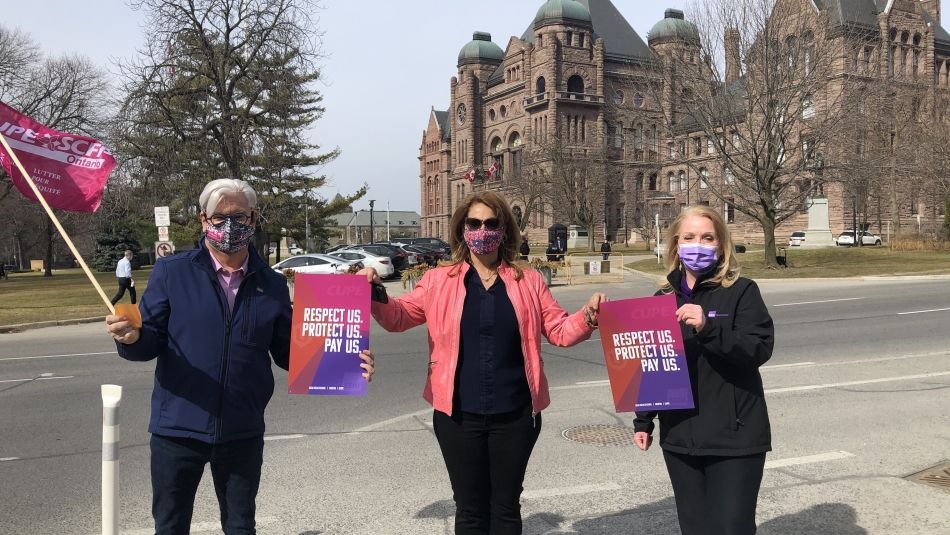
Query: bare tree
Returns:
{"type": "Point", "coordinates": [761, 94]}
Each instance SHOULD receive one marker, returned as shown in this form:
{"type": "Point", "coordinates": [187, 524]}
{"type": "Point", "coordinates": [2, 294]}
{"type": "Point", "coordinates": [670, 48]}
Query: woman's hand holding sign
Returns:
{"type": "Point", "coordinates": [693, 316]}
{"type": "Point", "coordinates": [369, 364]}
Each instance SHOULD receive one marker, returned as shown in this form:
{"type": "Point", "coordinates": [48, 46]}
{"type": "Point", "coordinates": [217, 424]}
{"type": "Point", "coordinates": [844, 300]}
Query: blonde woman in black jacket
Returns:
{"type": "Point", "coordinates": [715, 453]}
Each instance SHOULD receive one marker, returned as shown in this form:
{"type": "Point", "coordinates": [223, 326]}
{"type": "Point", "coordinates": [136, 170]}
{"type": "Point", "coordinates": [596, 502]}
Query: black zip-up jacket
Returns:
{"type": "Point", "coordinates": [730, 418]}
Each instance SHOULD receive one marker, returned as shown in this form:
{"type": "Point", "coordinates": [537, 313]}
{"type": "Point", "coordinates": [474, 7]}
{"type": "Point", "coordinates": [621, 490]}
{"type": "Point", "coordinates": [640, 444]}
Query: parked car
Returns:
{"type": "Point", "coordinates": [796, 239]}
{"type": "Point", "coordinates": [429, 256]}
{"type": "Point", "coordinates": [846, 238]}
{"type": "Point", "coordinates": [433, 243]}
{"type": "Point", "coordinates": [313, 263]}
{"type": "Point", "coordinates": [295, 250]}
{"type": "Point", "coordinates": [382, 264]}
{"type": "Point", "coordinates": [399, 257]}
{"type": "Point", "coordinates": [335, 248]}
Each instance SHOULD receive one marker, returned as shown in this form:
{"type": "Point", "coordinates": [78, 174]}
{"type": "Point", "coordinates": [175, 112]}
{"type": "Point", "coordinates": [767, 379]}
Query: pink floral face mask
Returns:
{"type": "Point", "coordinates": [484, 241]}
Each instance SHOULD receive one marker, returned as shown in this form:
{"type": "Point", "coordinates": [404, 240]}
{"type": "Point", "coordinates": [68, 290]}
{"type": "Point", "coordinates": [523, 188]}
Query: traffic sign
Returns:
{"type": "Point", "coordinates": [162, 218]}
{"type": "Point", "coordinates": [162, 233]}
{"type": "Point", "coordinates": [164, 248]}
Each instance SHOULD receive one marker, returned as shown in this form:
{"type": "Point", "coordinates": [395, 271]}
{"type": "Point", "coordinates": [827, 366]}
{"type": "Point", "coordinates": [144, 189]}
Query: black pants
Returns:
{"type": "Point", "coordinates": [177, 465]}
{"type": "Point", "coordinates": [715, 495]}
{"type": "Point", "coordinates": [124, 283]}
{"type": "Point", "coordinates": [486, 456]}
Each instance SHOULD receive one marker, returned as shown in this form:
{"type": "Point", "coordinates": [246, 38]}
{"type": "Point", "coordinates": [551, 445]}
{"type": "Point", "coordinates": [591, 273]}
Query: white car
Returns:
{"type": "Point", "coordinates": [797, 238]}
{"type": "Point", "coordinates": [382, 264]}
{"type": "Point", "coordinates": [313, 263]}
{"type": "Point", "coordinates": [847, 238]}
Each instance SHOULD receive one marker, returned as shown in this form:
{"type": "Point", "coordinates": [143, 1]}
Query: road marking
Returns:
{"type": "Point", "coordinates": [283, 437]}
{"type": "Point", "coordinates": [610, 486]}
{"type": "Point", "coordinates": [59, 356]}
{"type": "Point", "coordinates": [792, 365]}
{"type": "Point", "coordinates": [384, 423]}
{"type": "Point", "coordinates": [808, 459]}
{"type": "Point", "coordinates": [854, 383]}
{"type": "Point", "coordinates": [197, 527]}
{"type": "Point", "coordinates": [817, 302]}
{"type": "Point", "coordinates": [43, 378]}
{"type": "Point", "coordinates": [923, 311]}
{"type": "Point", "coordinates": [4, 459]}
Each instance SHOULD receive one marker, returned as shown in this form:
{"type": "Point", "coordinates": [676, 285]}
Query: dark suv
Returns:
{"type": "Point", "coordinates": [432, 243]}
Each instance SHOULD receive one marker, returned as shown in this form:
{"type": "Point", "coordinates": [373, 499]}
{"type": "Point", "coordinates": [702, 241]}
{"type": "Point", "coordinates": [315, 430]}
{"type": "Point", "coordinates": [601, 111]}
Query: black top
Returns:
{"type": "Point", "coordinates": [490, 377]}
{"type": "Point", "coordinates": [731, 417]}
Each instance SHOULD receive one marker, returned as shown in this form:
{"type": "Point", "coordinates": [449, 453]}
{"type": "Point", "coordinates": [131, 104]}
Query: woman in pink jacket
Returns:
{"type": "Point", "coordinates": [486, 315]}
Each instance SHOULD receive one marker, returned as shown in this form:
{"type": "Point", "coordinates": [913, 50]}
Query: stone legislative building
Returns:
{"type": "Point", "coordinates": [580, 78]}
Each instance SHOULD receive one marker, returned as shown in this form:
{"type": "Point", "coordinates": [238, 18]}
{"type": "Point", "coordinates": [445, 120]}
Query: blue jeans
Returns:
{"type": "Point", "coordinates": [177, 465]}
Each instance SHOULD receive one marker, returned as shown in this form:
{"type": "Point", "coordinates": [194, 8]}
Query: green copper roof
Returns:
{"type": "Point", "coordinates": [481, 49]}
{"type": "Point", "coordinates": [673, 26]}
{"type": "Point", "coordinates": [561, 10]}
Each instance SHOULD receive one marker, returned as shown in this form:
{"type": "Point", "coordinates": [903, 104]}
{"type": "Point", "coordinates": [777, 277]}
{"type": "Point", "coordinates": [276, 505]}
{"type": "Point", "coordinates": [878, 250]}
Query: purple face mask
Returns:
{"type": "Point", "coordinates": [698, 258]}
{"type": "Point", "coordinates": [484, 241]}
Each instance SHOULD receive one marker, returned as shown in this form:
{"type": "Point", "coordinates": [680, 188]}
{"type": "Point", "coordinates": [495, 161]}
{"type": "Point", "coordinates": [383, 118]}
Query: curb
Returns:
{"type": "Point", "coordinates": [20, 327]}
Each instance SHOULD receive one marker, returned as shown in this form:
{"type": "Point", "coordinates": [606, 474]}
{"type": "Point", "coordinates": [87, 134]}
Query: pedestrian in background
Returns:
{"type": "Point", "coordinates": [214, 317]}
{"type": "Point", "coordinates": [486, 316]}
{"type": "Point", "coordinates": [715, 453]}
{"type": "Point", "coordinates": [605, 248]}
{"type": "Point", "coordinates": [123, 274]}
{"type": "Point", "coordinates": [525, 249]}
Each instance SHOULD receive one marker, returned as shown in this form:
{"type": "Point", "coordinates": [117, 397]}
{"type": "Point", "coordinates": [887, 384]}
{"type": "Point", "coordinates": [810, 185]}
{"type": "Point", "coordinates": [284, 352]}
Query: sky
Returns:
{"type": "Point", "coordinates": [386, 65]}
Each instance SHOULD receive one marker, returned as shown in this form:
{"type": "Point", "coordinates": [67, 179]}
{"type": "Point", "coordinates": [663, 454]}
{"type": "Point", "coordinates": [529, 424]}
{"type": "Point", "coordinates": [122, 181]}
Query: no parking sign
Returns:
{"type": "Point", "coordinates": [164, 248]}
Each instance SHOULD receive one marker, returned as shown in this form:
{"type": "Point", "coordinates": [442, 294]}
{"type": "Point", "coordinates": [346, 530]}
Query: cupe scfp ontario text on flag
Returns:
{"type": "Point", "coordinates": [69, 170]}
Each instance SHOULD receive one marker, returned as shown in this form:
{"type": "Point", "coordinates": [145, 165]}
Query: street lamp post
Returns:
{"type": "Point", "coordinates": [372, 233]}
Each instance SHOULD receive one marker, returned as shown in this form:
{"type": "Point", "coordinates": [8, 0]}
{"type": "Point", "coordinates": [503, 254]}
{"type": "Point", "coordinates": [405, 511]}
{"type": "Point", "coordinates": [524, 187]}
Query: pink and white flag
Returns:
{"type": "Point", "coordinates": [70, 170]}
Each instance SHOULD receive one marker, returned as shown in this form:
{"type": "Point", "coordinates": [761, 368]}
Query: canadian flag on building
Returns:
{"type": "Point", "coordinates": [470, 175]}
{"type": "Point", "coordinates": [493, 169]}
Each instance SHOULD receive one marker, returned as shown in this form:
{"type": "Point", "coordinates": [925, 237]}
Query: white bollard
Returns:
{"type": "Point", "coordinates": [111, 396]}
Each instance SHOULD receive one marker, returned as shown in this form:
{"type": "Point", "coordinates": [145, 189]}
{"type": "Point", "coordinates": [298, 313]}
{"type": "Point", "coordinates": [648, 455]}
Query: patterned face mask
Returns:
{"type": "Point", "coordinates": [484, 241]}
{"type": "Point", "coordinates": [698, 258]}
{"type": "Point", "coordinates": [229, 237]}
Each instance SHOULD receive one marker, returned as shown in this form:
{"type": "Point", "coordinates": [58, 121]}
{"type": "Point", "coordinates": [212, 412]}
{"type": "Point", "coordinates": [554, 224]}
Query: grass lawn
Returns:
{"type": "Point", "coordinates": [68, 294]}
{"type": "Point", "coordinates": [834, 262]}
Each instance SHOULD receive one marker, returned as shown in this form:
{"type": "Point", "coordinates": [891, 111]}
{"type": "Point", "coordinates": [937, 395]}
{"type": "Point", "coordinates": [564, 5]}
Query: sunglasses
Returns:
{"type": "Point", "coordinates": [492, 223]}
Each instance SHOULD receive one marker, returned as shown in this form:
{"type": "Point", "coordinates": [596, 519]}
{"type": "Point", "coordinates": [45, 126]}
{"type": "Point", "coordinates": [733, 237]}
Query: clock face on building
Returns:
{"type": "Point", "coordinates": [461, 113]}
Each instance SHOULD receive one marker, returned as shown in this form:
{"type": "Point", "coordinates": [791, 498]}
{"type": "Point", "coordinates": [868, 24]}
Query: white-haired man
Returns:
{"type": "Point", "coordinates": [211, 316]}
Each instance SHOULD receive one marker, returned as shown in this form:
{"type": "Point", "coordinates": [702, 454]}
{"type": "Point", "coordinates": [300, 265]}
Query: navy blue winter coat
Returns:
{"type": "Point", "coordinates": [213, 377]}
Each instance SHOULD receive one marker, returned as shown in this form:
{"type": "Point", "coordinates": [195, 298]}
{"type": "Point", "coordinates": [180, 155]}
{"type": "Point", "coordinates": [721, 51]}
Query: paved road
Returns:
{"type": "Point", "coordinates": [858, 391]}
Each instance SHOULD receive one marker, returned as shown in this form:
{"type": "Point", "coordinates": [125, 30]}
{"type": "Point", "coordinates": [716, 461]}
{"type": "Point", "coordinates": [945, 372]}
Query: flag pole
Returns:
{"type": "Point", "coordinates": [59, 227]}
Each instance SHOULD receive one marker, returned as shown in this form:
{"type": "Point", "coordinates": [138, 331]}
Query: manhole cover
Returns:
{"type": "Point", "coordinates": [935, 476]}
{"type": "Point", "coordinates": [600, 435]}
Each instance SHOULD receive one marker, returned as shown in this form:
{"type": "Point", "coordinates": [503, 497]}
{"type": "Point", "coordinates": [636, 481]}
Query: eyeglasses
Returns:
{"type": "Point", "coordinates": [492, 223]}
{"type": "Point", "coordinates": [219, 219]}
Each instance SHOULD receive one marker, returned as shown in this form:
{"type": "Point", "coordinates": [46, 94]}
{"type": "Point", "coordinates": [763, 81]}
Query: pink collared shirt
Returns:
{"type": "Point", "coordinates": [230, 280]}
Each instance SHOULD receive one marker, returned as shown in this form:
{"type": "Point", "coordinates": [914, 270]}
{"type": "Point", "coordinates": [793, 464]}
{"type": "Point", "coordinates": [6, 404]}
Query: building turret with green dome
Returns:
{"type": "Point", "coordinates": [481, 49]}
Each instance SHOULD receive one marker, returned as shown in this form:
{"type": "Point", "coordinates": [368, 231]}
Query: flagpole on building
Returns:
{"type": "Point", "coordinates": [59, 227]}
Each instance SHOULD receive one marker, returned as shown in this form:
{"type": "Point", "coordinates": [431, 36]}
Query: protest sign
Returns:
{"type": "Point", "coordinates": [329, 330]}
{"type": "Point", "coordinates": [643, 350]}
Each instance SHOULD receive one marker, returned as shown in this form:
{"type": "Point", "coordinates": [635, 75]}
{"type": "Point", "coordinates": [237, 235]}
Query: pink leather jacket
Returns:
{"type": "Point", "coordinates": [437, 300]}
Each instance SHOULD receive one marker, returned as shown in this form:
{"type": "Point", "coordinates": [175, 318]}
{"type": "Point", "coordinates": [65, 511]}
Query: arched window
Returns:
{"type": "Point", "coordinates": [517, 213]}
{"type": "Point", "coordinates": [514, 141]}
{"type": "Point", "coordinates": [653, 182]}
{"type": "Point", "coordinates": [575, 84]}
{"type": "Point", "coordinates": [683, 184]}
{"type": "Point", "coordinates": [703, 178]}
{"type": "Point", "coordinates": [672, 181]}
{"type": "Point", "coordinates": [539, 86]}
{"type": "Point", "coordinates": [496, 145]}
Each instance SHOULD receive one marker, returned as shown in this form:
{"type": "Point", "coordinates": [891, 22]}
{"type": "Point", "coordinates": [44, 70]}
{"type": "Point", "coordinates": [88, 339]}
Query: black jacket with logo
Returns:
{"type": "Point", "coordinates": [730, 418]}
